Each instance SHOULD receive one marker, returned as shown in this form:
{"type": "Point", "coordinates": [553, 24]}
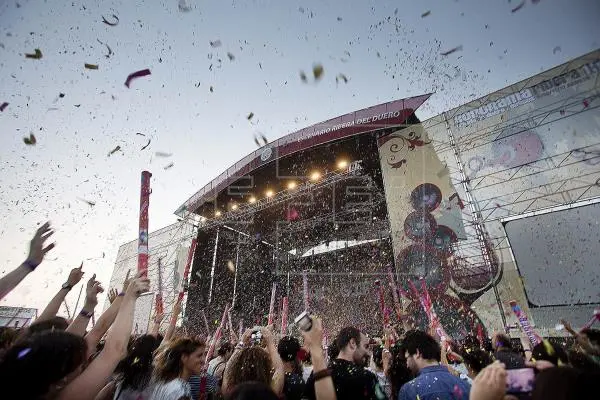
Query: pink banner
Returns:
{"type": "Point", "coordinates": [395, 297]}
{"type": "Point", "coordinates": [143, 224]}
{"type": "Point", "coordinates": [159, 298]}
{"type": "Point", "coordinates": [526, 327]}
{"type": "Point", "coordinates": [217, 337]}
{"type": "Point", "coordinates": [186, 271]}
{"type": "Point", "coordinates": [272, 304]}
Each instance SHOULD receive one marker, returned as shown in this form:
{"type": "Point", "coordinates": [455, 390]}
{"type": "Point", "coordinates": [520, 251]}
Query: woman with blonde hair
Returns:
{"type": "Point", "coordinates": [174, 366]}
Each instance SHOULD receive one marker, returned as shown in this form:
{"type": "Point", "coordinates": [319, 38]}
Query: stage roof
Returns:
{"type": "Point", "coordinates": [386, 115]}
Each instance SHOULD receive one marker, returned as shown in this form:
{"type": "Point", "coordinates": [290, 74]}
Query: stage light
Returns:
{"type": "Point", "coordinates": [217, 213]}
{"type": "Point", "coordinates": [234, 206]}
{"type": "Point", "coordinates": [342, 164]}
{"type": "Point", "coordinates": [252, 199]}
{"type": "Point", "coordinates": [314, 176]}
{"type": "Point", "coordinates": [291, 185]}
{"type": "Point", "coordinates": [269, 193]}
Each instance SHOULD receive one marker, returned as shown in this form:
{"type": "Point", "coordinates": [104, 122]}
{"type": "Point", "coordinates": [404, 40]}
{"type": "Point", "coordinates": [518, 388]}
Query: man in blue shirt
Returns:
{"type": "Point", "coordinates": [433, 381]}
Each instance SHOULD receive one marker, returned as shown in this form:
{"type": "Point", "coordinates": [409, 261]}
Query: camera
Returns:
{"type": "Point", "coordinates": [256, 338]}
{"type": "Point", "coordinates": [303, 321]}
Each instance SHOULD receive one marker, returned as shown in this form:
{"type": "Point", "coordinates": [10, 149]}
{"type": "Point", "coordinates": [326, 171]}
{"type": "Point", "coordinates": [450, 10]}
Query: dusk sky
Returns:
{"type": "Point", "coordinates": [387, 49]}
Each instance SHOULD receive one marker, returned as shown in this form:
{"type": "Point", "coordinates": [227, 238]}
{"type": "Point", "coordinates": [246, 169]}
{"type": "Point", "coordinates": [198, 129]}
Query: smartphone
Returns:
{"type": "Point", "coordinates": [519, 380]}
{"type": "Point", "coordinates": [256, 338]}
{"type": "Point", "coordinates": [303, 321]}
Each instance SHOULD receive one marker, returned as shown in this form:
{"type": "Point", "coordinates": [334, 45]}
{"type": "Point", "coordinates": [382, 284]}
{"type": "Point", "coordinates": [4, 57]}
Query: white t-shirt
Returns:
{"type": "Point", "coordinates": [130, 394]}
{"type": "Point", "coordinates": [172, 390]}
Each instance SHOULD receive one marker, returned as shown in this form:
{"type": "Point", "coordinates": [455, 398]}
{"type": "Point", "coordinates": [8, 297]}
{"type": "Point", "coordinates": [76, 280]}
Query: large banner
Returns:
{"type": "Point", "coordinates": [533, 145]}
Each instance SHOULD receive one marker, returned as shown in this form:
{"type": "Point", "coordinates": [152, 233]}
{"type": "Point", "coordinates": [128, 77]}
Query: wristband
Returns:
{"type": "Point", "coordinates": [86, 314]}
{"type": "Point", "coordinates": [31, 264]}
{"type": "Point", "coordinates": [324, 373]}
{"type": "Point", "coordinates": [121, 294]}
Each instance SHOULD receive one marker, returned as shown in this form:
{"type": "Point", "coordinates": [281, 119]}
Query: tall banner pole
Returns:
{"type": "Point", "coordinates": [526, 327]}
{"type": "Point", "coordinates": [218, 333]}
{"type": "Point", "coordinates": [159, 300]}
{"type": "Point", "coordinates": [395, 298]}
{"type": "Point", "coordinates": [186, 271]}
{"type": "Point", "coordinates": [143, 232]}
{"type": "Point", "coordinates": [305, 290]}
{"type": "Point", "coordinates": [205, 323]}
{"type": "Point", "coordinates": [284, 316]}
{"type": "Point", "coordinates": [272, 305]}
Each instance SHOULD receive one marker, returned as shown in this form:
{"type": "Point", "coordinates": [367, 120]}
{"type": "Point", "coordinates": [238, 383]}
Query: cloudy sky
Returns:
{"type": "Point", "coordinates": [387, 49]}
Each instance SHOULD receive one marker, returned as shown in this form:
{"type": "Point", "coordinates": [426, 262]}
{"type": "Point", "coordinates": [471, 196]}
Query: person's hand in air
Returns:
{"type": "Point", "coordinates": [138, 286]}
{"type": "Point", "coordinates": [37, 251]}
{"type": "Point", "coordinates": [75, 276]}
{"type": "Point", "coordinates": [92, 290]}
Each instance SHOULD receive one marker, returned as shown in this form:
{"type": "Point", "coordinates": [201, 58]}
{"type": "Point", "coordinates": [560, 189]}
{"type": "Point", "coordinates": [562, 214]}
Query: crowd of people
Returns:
{"type": "Point", "coordinates": [54, 358]}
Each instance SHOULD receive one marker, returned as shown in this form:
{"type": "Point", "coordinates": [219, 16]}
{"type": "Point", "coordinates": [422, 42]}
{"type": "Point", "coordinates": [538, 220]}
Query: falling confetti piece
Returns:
{"type": "Point", "coordinates": [230, 266]}
{"type": "Point", "coordinates": [107, 22]}
{"type": "Point", "coordinates": [30, 141]}
{"type": "Point", "coordinates": [231, 56]}
{"type": "Point", "coordinates": [517, 8]}
{"type": "Point", "coordinates": [341, 77]}
{"type": "Point", "coordinates": [216, 43]}
{"type": "Point", "coordinates": [90, 66]}
{"type": "Point", "coordinates": [36, 56]}
{"type": "Point", "coordinates": [113, 151]}
{"type": "Point", "coordinates": [184, 7]}
{"type": "Point", "coordinates": [303, 76]}
{"type": "Point", "coordinates": [318, 71]}
{"type": "Point", "coordinates": [556, 50]}
{"type": "Point", "coordinates": [23, 353]}
{"type": "Point", "coordinates": [3, 106]}
{"type": "Point", "coordinates": [211, 89]}
{"type": "Point", "coordinates": [162, 154]}
{"type": "Point", "coordinates": [339, 18]}
{"type": "Point", "coordinates": [447, 53]}
{"type": "Point", "coordinates": [88, 202]}
{"type": "Point", "coordinates": [426, 14]}
{"type": "Point", "coordinates": [110, 52]}
{"type": "Point", "coordinates": [249, 117]}
{"type": "Point", "coordinates": [147, 144]}
{"type": "Point", "coordinates": [139, 133]}
{"type": "Point", "coordinates": [166, 167]}
{"type": "Point", "coordinates": [264, 139]}
{"type": "Point", "coordinates": [137, 74]}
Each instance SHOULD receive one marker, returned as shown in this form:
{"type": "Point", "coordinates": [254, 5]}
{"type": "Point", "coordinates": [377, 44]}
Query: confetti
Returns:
{"type": "Point", "coordinates": [90, 66]}
{"type": "Point", "coordinates": [113, 151]}
{"type": "Point", "coordinates": [249, 117]}
{"type": "Point", "coordinates": [88, 202]}
{"type": "Point", "coordinates": [107, 22]}
{"type": "Point", "coordinates": [556, 50]}
{"type": "Point", "coordinates": [139, 133]}
{"type": "Point", "coordinates": [303, 76]}
{"type": "Point", "coordinates": [137, 74]}
{"type": "Point", "coordinates": [147, 144]}
{"type": "Point", "coordinates": [211, 89]}
{"type": "Point", "coordinates": [447, 53]}
{"type": "Point", "coordinates": [162, 154]}
{"type": "Point", "coordinates": [110, 52]}
{"type": "Point", "coordinates": [318, 71]}
{"type": "Point", "coordinates": [166, 167]}
{"type": "Point", "coordinates": [3, 106]}
{"type": "Point", "coordinates": [231, 56]}
{"type": "Point", "coordinates": [184, 7]}
{"type": "Point", "coordinates": [30, 141]}
{"type": "Point", "coordinates": [341, 77]}
{"type": "Point", "coordinates": [23, 353]}
{"type": "Point", "coordinates": [230, 266]}
{"type": "Point", "coordinates": [518, 7]}
{"type": "Point", "coordinates": [426, 14]}
{"type": "Point", "coordinates": [36, 56]}
{"type": "Point", "coordinates": [216, 43]}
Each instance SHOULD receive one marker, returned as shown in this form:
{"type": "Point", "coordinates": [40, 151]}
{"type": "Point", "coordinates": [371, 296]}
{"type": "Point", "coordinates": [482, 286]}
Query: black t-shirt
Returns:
{"type": "Point", "coordinates": [350, 382]}
{"type": "Point", "coordinates": [293, 386]}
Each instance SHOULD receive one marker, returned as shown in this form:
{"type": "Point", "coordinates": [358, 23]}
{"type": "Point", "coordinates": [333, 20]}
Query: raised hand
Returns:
{"type": "Point", "coordinates": [137, 286]}
{"type": "Point", "coordinates": [158, 317]}
{"type": "Point", "coordinates": [112, 295]}
{"type": "Point", "coordinates": [490, 383]}
{"type": "Point", "coordinates": [37, 251]}
{"type": "Point", "coordinates": [75, 275]}
{"type": "Point", "coordinates": [313, 338]}
{"type": "Point", "coordinates": [92, 290]}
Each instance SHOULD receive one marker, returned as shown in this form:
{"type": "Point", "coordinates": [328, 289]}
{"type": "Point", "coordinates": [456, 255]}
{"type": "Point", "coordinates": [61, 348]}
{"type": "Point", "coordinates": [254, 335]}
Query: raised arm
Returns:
{"type": "Point", "coordinates": [106, 319]}
{"type": "Point", "coordinates": [155, 330]}
{"type": "Point", "coordinates": [81, 321]}
{"type": "Point", "coordinates": [324, 389]}
{"type": "Point", "coordinates": [94, 377]}
{"type": "Point", "coordinates": [52, 308]}
{"type": "Point", "coordinates": [37, 251]}
{"type": "Point", "coordinates": [278, 378]}
{"type": "Point", "coordinates": [173, 322]}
